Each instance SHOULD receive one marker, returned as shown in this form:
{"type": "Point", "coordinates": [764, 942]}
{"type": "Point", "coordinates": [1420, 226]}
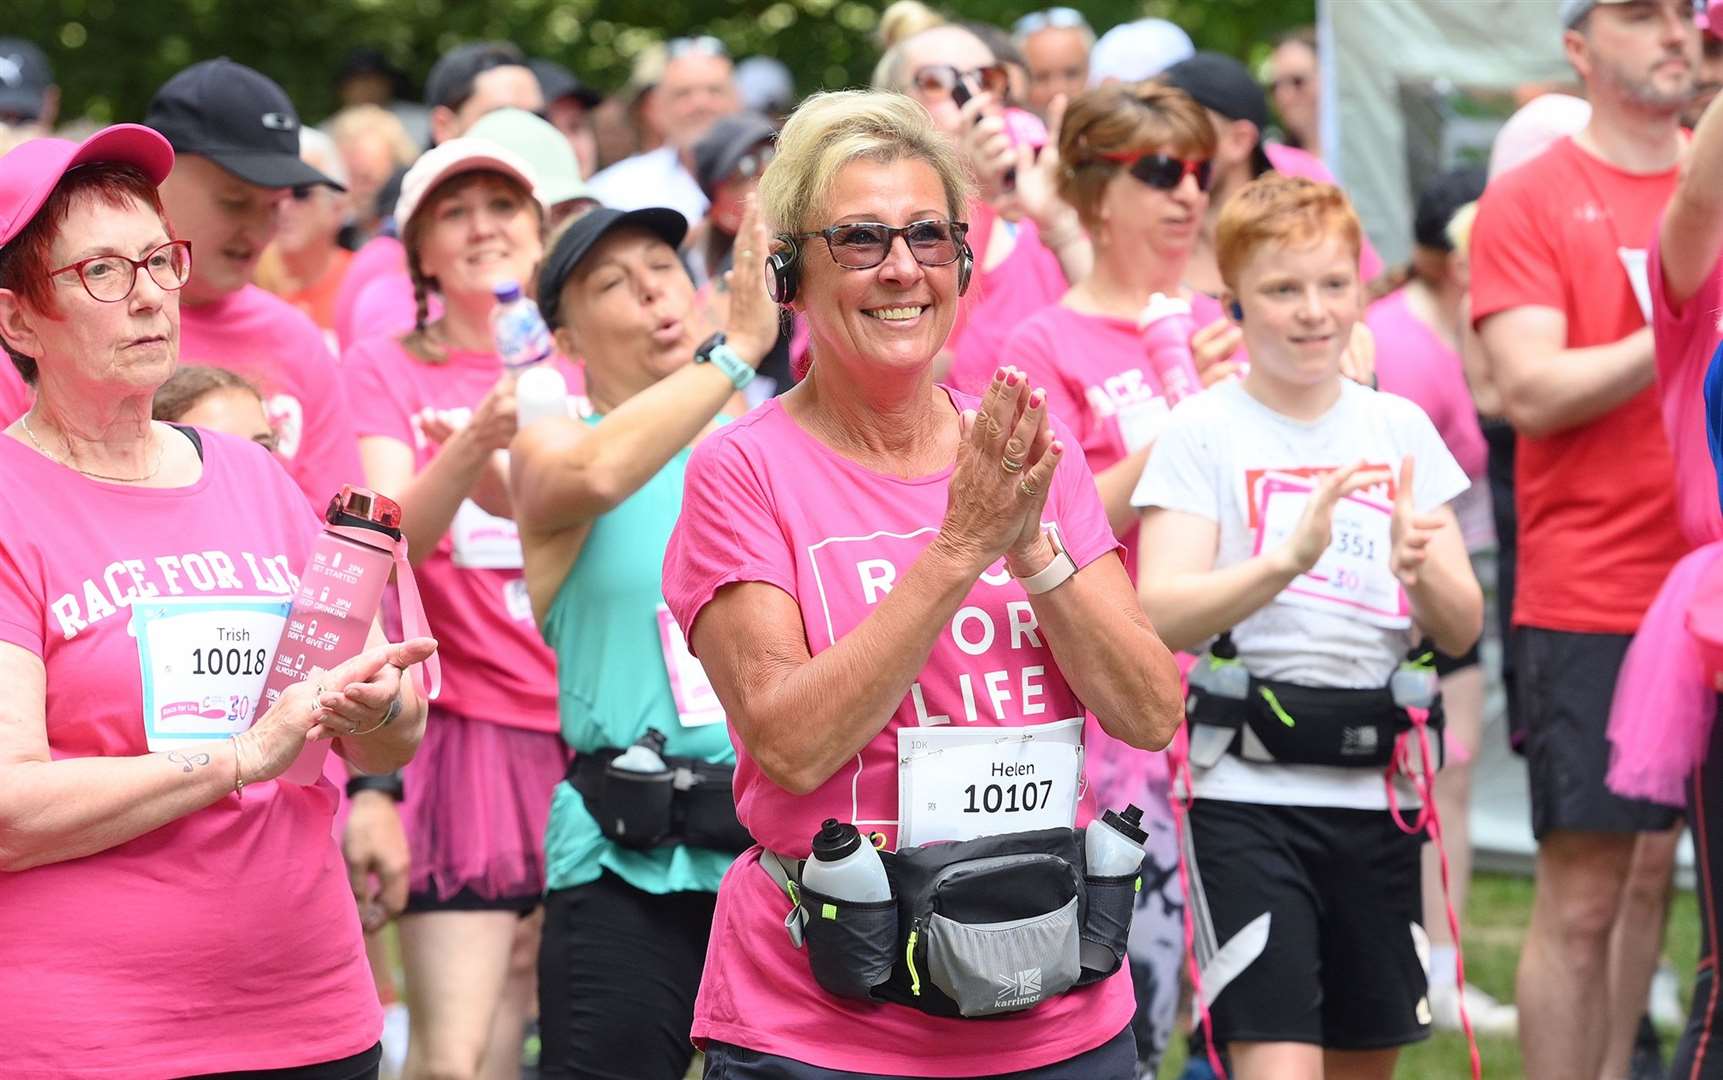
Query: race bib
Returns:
{"type": "Point", "coordinates": [483, 541]}
{"type": "Point", "coordinates": [204, 660]}
{"type": "Point", "coordinates": [1636, 262]}
{"type": "Point", "coordinates": [958, 783]}
{"type": "Point", "coordinates": [1353, 577]}
{"type": "Point", "coordinates": [696, 701]}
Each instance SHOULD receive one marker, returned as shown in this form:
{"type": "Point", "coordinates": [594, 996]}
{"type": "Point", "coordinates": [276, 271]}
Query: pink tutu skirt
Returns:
{"type": "Point", "coordinates": [478, 798]}
{"type": "Point", "coordinates": [1660, 720]}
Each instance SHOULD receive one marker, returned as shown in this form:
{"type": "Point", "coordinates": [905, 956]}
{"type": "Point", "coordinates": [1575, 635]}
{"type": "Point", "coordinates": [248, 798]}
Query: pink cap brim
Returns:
{"type": "Point", "coordinates": [29, 173]}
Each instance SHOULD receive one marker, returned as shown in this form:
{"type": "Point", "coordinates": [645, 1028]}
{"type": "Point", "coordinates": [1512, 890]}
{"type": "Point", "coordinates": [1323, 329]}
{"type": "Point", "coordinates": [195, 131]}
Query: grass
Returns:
{"type": "Point", "coordinates": [1500, 908]}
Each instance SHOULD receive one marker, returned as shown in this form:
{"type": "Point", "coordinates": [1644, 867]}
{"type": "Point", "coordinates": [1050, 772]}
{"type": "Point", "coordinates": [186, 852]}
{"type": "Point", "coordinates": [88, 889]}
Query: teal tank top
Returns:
{"type": "Point", "coordinates": [612, 684]}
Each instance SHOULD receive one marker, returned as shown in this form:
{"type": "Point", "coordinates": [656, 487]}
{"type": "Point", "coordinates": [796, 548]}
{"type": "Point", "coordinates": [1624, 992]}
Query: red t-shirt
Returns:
{"type": "Point", "coordinates": [1687, 336]}
{"type": "Point", "coordinates": [262, 337]}
{"type": "Point", "coordinates": [1596, 502]}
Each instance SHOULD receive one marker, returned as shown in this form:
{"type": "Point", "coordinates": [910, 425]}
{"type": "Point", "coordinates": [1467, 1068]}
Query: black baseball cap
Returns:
{"type": "Point", "coordinates": [722, 148]}
{"type": "Point", "coordinates": [557, 82]}
{"type": "Point", "coordinates": [1438, 202]}
{"type": "Point", "coordinates": [239, 119]}
{"type": "Point", "coordinates": [1224, 85]}
{"type": "Point", "coordinates": [578, 239]}
{"type": "Point", "coordinates": [450, 82]}
{"type": "Point", "coordinates": [25, 77]}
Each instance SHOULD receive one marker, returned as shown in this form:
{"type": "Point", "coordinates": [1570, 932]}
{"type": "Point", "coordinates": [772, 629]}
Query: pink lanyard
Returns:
{"type": "Point", "coordinates": [413, 622]}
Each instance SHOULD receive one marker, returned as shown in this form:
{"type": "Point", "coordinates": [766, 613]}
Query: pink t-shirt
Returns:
{"type": "Point", "coordinates": [1030, 278]}
{"type": "Point", "coordinates": [1686, 339]}
{"type": "Point", "coordinates": [380, 256]}
{"type": "Point", "coordinates": [1413, 362]}
{"type": "Point", "coordinates": [227, 939]}
{"type": "Point", "coordinates": [746, 516]}
{"type": "Point", "coordinates": [1291, 161]}
{"type": "Point", "coordinates": [496, 666]}
{"type": "Point", "coordinates": [15, 395]}
{"type": "Point", "coordinates": [386, 308]}
{"type": "Point", "coordinates": [264, 338]}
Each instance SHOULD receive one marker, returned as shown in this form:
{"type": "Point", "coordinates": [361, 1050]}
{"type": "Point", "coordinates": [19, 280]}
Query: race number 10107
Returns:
{"type": "Point", "coordinates": [1007, 798]}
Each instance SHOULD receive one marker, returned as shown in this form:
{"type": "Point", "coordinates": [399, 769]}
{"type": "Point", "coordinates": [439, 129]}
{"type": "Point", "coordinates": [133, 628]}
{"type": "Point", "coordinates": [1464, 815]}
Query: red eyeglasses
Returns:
{"type": "Point", "coordinates": [111, 278]}
{"type": "Point", "coordinates": [1163, 172]}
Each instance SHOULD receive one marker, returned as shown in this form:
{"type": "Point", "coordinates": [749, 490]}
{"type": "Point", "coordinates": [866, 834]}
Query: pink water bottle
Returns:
{"type": "Point", "coordinates": [1166, 326]}
{"type": "Point", "coordinates": [340, 592]}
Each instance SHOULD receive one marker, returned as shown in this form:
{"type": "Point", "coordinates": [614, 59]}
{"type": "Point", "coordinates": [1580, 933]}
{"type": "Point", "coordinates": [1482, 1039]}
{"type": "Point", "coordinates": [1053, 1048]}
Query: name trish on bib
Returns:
{"type": "Point", "coordinates": [989, 664]}
{"type": "Point", "coordinates": [193, 573]}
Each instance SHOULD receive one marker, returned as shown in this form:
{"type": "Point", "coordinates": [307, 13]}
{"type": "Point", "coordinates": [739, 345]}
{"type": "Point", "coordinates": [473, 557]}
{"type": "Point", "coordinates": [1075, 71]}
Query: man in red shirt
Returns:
{"type": "Point", "coordinates": [1560, 298]}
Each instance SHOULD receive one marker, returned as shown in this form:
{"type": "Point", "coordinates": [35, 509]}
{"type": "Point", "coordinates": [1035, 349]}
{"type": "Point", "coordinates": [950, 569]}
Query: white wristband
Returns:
{"type": "Point", "coordinates": [1051, 576]}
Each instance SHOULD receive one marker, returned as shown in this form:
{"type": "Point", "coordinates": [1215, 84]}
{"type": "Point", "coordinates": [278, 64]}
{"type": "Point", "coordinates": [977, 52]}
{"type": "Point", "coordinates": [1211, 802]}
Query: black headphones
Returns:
{"type": "Point", "coordinates": [1236, 309]}
{"type": "Point", "coordinates": [783, 272]}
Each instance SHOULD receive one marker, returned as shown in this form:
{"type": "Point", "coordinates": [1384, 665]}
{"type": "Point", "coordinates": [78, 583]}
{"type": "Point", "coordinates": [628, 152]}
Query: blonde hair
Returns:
{"type": "Point", "coordinates": [365, 121]}
{"type": "Point", "coordinates": [830, 130]}
{"type": "Point", "coordinates": [1124, 119]}
{"type": "Point", "coordinates": [1281, 211]}
{"type": "Point", "coordinates": [1459, 228]}
{"type": "Point", "coordinates": [905, 19]}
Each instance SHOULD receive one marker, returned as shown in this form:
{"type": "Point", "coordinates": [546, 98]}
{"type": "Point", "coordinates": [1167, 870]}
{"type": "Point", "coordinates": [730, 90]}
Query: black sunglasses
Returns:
{"type": "Point", "coordinates": [1164, 172]}
{"type": "Point", "coordinates": [863, 245]}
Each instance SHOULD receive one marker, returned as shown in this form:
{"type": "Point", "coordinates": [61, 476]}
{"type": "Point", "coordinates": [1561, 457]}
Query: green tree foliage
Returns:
{"type": "Point", "coordinates": [110, 55]}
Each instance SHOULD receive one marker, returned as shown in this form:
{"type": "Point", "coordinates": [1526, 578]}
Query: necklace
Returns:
{"type": "Point", "coordinates": [37, 443]}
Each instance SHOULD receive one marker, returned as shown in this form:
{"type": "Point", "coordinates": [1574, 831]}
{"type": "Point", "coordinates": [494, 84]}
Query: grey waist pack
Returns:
{"type": "Point", "coordinates": [975, 928]}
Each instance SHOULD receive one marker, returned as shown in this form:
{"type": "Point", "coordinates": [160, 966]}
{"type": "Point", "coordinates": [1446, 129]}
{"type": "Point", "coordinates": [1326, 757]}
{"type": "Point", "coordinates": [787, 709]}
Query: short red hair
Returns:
{"type": "Point", "coordinates": [1281, 211]}
{"type": "Point", "coordinates": [24, 265]}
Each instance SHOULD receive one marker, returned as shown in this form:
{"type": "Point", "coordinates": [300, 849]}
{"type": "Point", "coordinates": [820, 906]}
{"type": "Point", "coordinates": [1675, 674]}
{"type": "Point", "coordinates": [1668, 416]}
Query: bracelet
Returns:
{"type": "Point", "coordinates": [238, 779]}
{"type": "Point", "coordinates": [389, 784]}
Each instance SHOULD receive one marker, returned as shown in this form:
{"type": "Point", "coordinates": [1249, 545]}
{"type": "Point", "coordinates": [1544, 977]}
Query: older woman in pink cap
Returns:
{"type": "Point", "coordinates": [166, 908]}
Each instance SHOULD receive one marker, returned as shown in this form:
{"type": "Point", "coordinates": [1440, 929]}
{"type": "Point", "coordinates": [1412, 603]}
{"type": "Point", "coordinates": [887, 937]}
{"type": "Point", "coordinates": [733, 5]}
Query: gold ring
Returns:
{"type": "Point", "coordinates": [1011, 465]}
{"type": "Point", "coordinates": [1027, 490]}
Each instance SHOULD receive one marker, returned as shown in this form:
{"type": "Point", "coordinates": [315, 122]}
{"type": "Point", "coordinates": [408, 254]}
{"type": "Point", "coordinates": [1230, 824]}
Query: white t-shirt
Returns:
{"type": "Point", "coordinates": [655, 178]}
{"type": "Point", "coordinates": [1228, 458]}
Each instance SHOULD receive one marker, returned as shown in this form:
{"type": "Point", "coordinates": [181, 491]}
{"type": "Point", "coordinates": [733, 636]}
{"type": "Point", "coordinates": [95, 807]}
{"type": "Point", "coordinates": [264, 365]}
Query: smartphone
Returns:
{"type": "Point", "coordinates": [961, 95]}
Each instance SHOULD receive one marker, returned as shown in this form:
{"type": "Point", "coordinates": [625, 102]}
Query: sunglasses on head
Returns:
{"type": "Point", "coordinates": [936, 78]}
{"type": "Point", "coordinates": [1054, 18]}
{"type": "Point", "coordinates": [863, 245]}
{"type": "Point", "coordinates": [753, 163]}
{"type": "Point", "coordinates": [1164, 172]}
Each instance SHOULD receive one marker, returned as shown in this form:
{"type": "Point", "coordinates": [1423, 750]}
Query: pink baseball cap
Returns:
{"type": "Point", "coordinates": [463, 155]}
{"type": "Point", "coordinates": [30, 171]}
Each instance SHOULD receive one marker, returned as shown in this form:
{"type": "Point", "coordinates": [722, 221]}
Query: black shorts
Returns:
{"type": "Point", "coordinates": [1565, 684]}
{"type": "Point", "coordinates": [1447, 665]}
{"type": "Point", "coordinates": [361, 1066]}
{"type": "Point", "coordinates": [618, 970]}
{"type": "Point", "coordinates": [1115, 1059]}
{"type": "Point", "coordinates": [1308, 924]}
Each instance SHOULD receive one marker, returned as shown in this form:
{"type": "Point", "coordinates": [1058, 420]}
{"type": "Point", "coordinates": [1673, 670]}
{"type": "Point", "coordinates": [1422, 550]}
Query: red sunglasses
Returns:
{"type": "Point", "coordinates": [1163, 172]}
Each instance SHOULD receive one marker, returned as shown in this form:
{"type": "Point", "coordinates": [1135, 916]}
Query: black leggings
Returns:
{"type": "Point", "coordinates": [618, 969]}
{"type": "Point", "coordinates": [1700, 1054]}
{"type": "Point", "coordinates": [361, 1066]}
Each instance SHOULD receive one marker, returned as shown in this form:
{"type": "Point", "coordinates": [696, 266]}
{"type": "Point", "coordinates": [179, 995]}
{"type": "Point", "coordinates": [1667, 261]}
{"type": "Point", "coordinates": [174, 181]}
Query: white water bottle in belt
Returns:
{"type": "Point", "coordinates": [1113, 843]}
{"type": "Point", "coordinates": [845, 866]}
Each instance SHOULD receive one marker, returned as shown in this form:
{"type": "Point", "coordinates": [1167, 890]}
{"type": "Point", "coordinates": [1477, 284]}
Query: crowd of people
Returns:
{"type": "Point", "coordinates": [937, 482]}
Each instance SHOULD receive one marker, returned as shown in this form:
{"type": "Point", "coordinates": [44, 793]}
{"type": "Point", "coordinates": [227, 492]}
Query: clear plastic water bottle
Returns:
{"type": "Point", "coordinates": [845, 866]}
{"type": "Point", "coordinates": [1113, 843]}
{"type": "Point", "coordinates": [1220, 674]}
{"type": "Point", "coordinates": [522, 338]}
{"type": "Point", "coordinates": [1415, 683]}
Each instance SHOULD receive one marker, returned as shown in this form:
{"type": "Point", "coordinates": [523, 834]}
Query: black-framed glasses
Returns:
{"type": "Point", "coordinates": [993, 78]}
{"type": "Point", "coordinates": [111, 278]}
{"type": "Point", "coordinates": [1053, 18]}
{"type": "Point", "coordinates": [863, 245]}
{"type": "Point", "coordinates": [1164, 172]}
{"type": "Point", "coordinates": [698, 45]}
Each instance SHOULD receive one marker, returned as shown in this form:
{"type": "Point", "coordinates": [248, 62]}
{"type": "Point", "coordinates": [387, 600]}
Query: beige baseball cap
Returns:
{"type": "Point", "coordinates": [452, 158]}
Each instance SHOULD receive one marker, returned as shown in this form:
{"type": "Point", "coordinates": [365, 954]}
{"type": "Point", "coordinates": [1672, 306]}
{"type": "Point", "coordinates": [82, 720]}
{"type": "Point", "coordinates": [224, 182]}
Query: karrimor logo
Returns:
{"type": "Point", "coordinates": [1023, 988]}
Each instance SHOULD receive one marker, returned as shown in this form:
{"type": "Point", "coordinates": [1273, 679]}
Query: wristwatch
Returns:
{"type": "Point", "coordinates": [716, 351]}
{"type": "Point", "coordinates": [389, 784]}
{"type": "Point", "coordinates": [1051, 576]}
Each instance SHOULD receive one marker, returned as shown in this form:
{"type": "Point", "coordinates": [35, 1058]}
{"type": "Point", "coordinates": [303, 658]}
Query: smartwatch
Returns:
{"type": "Point", "coordinates": [716, 351]}
{"type": "Point", "coordinates": [1053, 575]}
{"type": "Point", "coordinates": [389, 784]}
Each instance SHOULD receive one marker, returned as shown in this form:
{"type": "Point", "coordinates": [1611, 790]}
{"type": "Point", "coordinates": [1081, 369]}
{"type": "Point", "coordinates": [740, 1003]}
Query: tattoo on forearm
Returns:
{"type": "Point", "coordinates": [187, 762]}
